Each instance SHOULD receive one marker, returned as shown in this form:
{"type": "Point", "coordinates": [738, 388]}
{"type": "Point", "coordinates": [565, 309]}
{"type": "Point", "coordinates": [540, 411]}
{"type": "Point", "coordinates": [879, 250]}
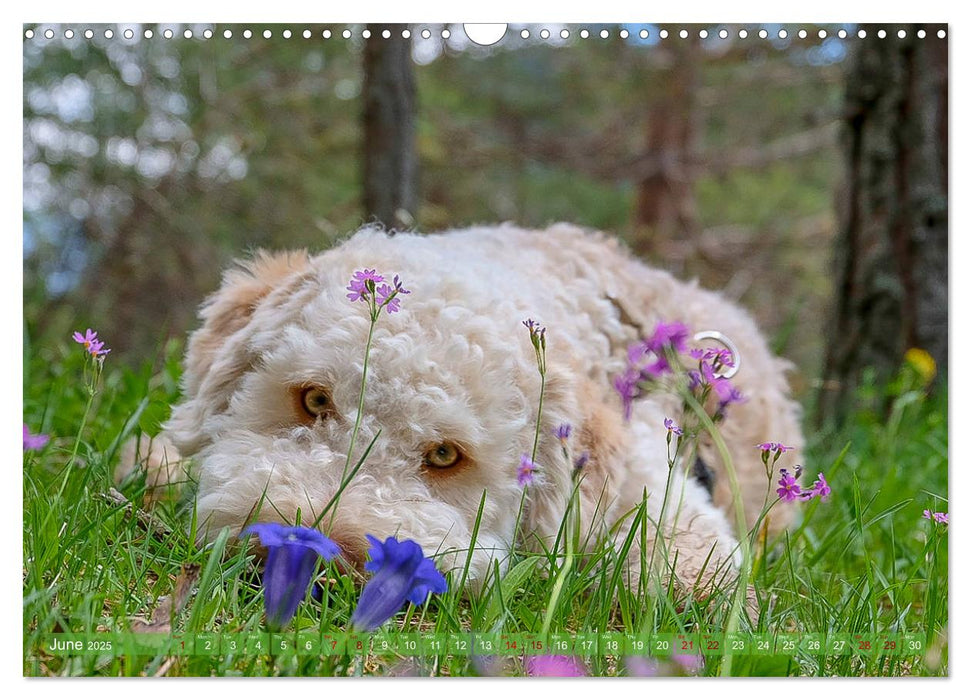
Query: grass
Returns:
{"type": "Point", "coordinates": [863, 563]}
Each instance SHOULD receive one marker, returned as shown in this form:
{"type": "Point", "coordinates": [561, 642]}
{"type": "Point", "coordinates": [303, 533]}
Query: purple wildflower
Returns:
{"type": "Point", "coordinates": [666, 336]}
{"type": "Point", "coordinates": [34, 442]}
{"type": "Point", "coordinates": [774, 447]}
{"type": "Point", "coordinates": [928, 514]}
{"type": "Point", "coordinates": [636, 353]}
{"type": "Point", "coordinates": [672, 335]}
{"type": "Point", "coordinates": [788, 489]}
{"type": "Point", "coordinates": [694, 379]}
{"type": "Point", "coordinates": [527, 467]}
{"type": "Point", "coordinates": [819, 488]}
{"type": "Point", "coordinates": [537, 333]}
{"type": "Point", "coordinates": [641, 666]}
{"type": "Point", "coordinates": [639, 352]}
{"type": "Point", "coordinates": [89, 337]}
{"type": "Point", "coordinates": [535, 330]}
{"type": "Point", "coordinates": [402, 573]}
{"type": "Point", "coordinates": [398, 287]}
{"type": "Point", "coordinates": [659, 367]}
{"type": "Point", "coordinates": [724, 390]}
{"type": "Point", "coordinates": [626, 386]}
{"type": "Point", "coordinates": [672, 428]}
{"type": "Point", "coordinates": [562, 432]}
{"type": "Point", "coordinates": [387, 297]}
{"type": "Point", "coordinates": [581, 461]}
{"type": "Point", "coordinates": [93, 346]}
{"type": "Point", "coordinates": [647, 360]}
{"type": "Point", "coordinates": [689, 663]}
{"type": "Point", "coordinates": [718, 357]}
{"type": "Point", "coordinates": [940, 518]}
{"type": "Point", "coordinates": [366, 284]}
{"type": "Point", "coordinates": [359, 287]}
{"type": "Point", "coordinates": [556, 666]}
{"type": "Point", "coordinates": [290, 564]}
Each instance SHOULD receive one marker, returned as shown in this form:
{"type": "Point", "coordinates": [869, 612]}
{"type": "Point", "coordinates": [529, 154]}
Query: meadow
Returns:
{"type": "Point", "coordinates": [142, 182]}
{"type": "Point", "coordinates": [865, 566]}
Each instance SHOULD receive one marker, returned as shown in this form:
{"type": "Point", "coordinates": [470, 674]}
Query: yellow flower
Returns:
{"type": "Point", "coordinates": [922, 363]}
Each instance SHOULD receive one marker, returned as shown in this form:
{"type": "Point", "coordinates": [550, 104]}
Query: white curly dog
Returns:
{"type": "Point", "coordinates": [272, 381]}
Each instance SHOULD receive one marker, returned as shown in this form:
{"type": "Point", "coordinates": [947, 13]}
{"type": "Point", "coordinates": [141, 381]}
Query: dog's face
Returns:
{"type": "Point", "coordinates": [272, 389]}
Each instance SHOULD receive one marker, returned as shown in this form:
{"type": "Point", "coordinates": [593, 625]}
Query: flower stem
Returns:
{"type": "Point", "coordinates": [360, 400]}
{"type": "Point", "coordinates": [92, 392]}
{"type": "Point", "coordinates": [539, 412]}
{"type": "Point", "coordinates": [570, 530]}
{"type": "Point", "coordinates": [745, 570]}
{"type": "Point", "coordinates": [84, 420]}
{"type": "Point", "coordinates": [659, 537]}
{"type": "Point", "coordinates": [357, 423]}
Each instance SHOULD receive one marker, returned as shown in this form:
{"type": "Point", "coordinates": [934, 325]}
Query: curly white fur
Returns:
{"type": "Point", "coordinates": [457, 365]}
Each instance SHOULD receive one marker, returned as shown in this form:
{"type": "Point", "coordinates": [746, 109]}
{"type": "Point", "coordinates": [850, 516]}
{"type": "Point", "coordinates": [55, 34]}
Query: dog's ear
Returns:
{"type": "Point", "coordinates": [216, 354]}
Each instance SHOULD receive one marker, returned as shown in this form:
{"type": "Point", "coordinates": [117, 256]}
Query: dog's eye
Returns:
{"type": "Point", "coordinates": [443, 456]}
{"type": "Point", "coordinates": [316, 401]}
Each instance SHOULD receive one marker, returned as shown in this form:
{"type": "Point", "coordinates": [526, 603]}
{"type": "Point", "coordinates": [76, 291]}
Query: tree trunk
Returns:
{"type": "Point", "coordinates": [665, 206]}
{"type": "Point", "coordinates": [891, 247]}
{"type": "Point", "coordinates": [390, 154]}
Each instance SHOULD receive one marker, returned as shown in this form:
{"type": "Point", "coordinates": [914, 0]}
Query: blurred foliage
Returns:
{"type": "Point", "coordinates": [149, 164]}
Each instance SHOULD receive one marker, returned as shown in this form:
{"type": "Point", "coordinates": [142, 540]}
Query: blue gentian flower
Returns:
{"type": "Point", "coordinates": [290, 565]}
{"type": "Point", "coordinates": [401, 573]}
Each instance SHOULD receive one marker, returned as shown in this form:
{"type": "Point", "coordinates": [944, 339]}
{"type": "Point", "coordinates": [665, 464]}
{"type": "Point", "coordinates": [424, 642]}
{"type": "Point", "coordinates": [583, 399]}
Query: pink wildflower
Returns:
{"type": "Point", "coordinates": [672, 428]}
{"type": "Point", "coordinates": [773, 447]}
{"type": "Point", "coordinates": [93, 346]}
{"type": "Point", "coordinates": [689, 663]}
{"type": "Point", "coordinates": [358, 286]}
{"type": "Point", "coordinates": [788, 489]}
{"type": "Point", "coordinates": [580, 462]}
{"type": "Point", "coordinates": [89, 337]}
{"type": "Point", "coordinates": [666, 336]}
{"type": "Point", "coordinates": [387, 297]}
{"type": "Point", "coordinates": [537, 333]}
{"type": "Point", "coordinates": [626, 386]}
{"type": "Point", "coordinates": [641, 666]}
{"type": "Point", "coordinates": [719, 357]}
{"type": "Point", "coordinates": [723, 388]}
{"type": "Point", "coordinates": [526, 468]}
{"type": "Point", "coordinates": [819, 488]}
{"type": "Point", "coordinates": [34, 442]}
{"type": "Point", "coordinates": [557, 666]}
{"type": "Point", "coordinates": [673, 335]}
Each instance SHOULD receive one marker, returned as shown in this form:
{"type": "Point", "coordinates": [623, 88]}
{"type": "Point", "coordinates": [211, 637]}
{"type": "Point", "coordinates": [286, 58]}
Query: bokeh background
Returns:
{"type": "Point", "coordinates": [151, 163]}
